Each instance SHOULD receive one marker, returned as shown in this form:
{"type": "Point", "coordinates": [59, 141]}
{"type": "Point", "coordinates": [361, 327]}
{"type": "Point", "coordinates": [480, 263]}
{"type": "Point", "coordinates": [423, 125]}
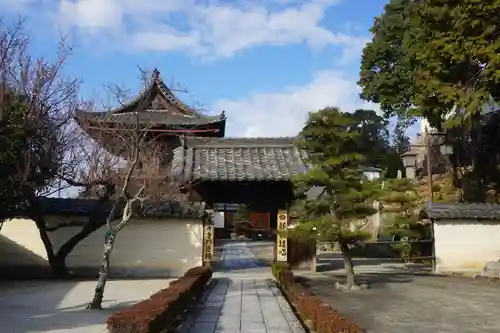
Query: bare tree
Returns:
{"type": "Point", "coordinates": [91, 172]}
{"type": "Point", "coordinates": [146, 178]}
{"type": "Point", "coordinates": [38, 103]}
{"type": "Point", "coordinates": [95, 163]}
{"type": "Point", "coordinates": [54, 154]}
{"type": "Point", "coordinates": [138, 163]}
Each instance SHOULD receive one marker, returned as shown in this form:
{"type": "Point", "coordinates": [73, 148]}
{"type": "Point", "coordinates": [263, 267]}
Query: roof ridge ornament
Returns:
{"type": "Point", "coordinates": [156, 74]}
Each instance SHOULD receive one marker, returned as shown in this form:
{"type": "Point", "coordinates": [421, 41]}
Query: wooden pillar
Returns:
{"type": "Point", "coordinates": [281, 240]}
{"type": "Point", "coordinates": [208, 238]}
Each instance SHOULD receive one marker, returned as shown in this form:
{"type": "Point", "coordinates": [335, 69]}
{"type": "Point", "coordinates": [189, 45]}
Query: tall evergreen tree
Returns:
{"type": "Point", "coordinates": [401, 204]}
{"type": "Point", "coordinates": [374, 141]}
{"type": "Point", "coordinates": [386, 75]}
{"type": "Point", "coordinates": [455, 50]}
{"type": "Point", "coordinates": [13, 147]}
{"type": "Point", "coordinates": [333, 198]}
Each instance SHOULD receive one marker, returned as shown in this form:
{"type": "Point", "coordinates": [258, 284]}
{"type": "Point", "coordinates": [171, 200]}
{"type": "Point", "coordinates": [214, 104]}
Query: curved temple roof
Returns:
{"type": "Point", "coordinates": [156, 106]}
{"type": "Point", "coordinates": [238, 159]}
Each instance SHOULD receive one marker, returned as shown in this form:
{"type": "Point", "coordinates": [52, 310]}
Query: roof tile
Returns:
{"type": "Point", "coordinates": [453, 211]}
{"type": "Point", "coordinates": [239, 159]}
{"type": "Point", "coordinates": [163, 209]}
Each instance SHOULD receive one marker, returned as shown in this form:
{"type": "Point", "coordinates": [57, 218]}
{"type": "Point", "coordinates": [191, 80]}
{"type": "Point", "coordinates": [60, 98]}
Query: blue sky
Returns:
{"type": "Point", "coordinates": [265, 62]}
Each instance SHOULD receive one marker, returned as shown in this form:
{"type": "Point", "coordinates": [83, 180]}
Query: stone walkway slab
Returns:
{"type": "Point", "coordinates": [238, 256]}
{"type": "Point", "coordinates": [243, 302]}
{"type": "Point", "coordinates": [245, 306]}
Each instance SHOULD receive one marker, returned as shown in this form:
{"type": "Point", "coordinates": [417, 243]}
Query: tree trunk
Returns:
{"type": "Point", "coordinates": [94, 222]}
{"type": "Point", "coordinates": [348, 265]}
{"type": "Point", "coordinates": [103, 274]}
{"type": "Point", "coordinates": [67, 247]}
{"type": "Point", "coordinates": [57, 267]}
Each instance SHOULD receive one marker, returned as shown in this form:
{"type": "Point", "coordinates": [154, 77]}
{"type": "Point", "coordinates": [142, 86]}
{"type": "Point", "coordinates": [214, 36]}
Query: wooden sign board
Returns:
{"type": "Point", "coordinates": [208, 243]}
{"type": "Point", "coordinates": [281, 241]}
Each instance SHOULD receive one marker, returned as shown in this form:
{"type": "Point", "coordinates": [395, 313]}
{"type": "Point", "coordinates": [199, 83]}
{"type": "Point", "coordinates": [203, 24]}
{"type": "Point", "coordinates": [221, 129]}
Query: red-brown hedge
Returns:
{"type": "Point", "coordinates": [162, 309]}
{"type": "Point", "coordinates": [318, 315]}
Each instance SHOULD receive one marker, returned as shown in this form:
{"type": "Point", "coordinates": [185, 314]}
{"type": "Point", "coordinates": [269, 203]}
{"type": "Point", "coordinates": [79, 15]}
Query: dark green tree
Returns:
{"type": "Point", "coordinates": [386, 75]}
{"type": "Point", "coordinates": [390, 73]}
{"type": "Point", "coordinates": [455, 49]}
{"type": "Point", "coordinates": [439, 61]}
{"type": "Point", "coordinates": [400, 141]}
{"type": "Point", "coordinates": [333, 197]}
{"type": "Point", "coordinates": [13, 146]}
{"type": "Point", "coordinates": [401, 206]}
{"type": "Point", "coordinates": [374, 141]}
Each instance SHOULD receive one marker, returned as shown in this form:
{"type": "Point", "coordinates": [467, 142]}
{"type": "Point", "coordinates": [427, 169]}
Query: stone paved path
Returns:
{"type": "Point", "coordinates": [246, 302]}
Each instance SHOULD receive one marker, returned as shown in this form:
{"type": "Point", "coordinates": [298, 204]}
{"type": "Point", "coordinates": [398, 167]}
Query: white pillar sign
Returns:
{"type": "Point", "coordinates": [281, 240]}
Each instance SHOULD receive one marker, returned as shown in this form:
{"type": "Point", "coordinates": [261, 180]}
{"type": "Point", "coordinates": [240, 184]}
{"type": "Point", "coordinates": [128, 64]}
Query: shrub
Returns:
{"type": "Point", "coordinates": [162, 309]}
{"type": "Point", "coordinates": [199, 270]}
{"type": "Point", "coordinates": [300, 250]}
{"type": "Point", "coordinates": [319, 316]}
{"type": "Point", "coordinates": [277, 267]}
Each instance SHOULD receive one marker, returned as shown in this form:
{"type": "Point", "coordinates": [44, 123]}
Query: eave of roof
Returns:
{"type": "Point", "coordinates": [147, 117]}
{"type": "Point", "coordinates": [157, 86]}
{"type": "Point", "coordinates": [83, 207]}
{"type": "Point", "coordinates": [238, 159]}
{"type": "Point", "coordinates": [463, 211]}
{"type": "Point", "coordinates": [156, 83]}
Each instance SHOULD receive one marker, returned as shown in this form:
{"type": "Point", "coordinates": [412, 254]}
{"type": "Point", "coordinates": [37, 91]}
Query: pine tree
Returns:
{"type": "Point", "coordinates": [333, 197]}
{"type": "Point", "coordinates": [401, 204]}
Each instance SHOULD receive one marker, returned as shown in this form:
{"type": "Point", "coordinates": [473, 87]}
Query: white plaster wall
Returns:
{"type": "Point", "coordinates": [218, 219]}
{"type": "Point", "coordinates": [144, 248]}
{"type": "Point", "coordinates": [466, 245]}
{"type": "Point", "coordinates": [371, 175]}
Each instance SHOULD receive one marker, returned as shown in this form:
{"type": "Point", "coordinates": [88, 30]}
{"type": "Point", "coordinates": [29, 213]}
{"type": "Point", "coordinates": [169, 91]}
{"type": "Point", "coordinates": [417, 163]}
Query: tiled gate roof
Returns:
{"type": "Point", "coordinates": [239, 159]}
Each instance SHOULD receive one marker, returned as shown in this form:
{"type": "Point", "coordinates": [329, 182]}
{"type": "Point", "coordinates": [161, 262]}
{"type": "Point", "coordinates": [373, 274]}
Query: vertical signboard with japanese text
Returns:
{"type": "Point", "coordinates": [208, 240]}
{"type": "Point", "coordinates": [281, 239]}
{"type": "Point", "coordinates": [208, 237]}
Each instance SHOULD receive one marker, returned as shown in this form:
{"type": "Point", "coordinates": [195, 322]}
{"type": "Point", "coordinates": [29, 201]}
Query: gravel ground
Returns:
{"type": "Point", "coordinates": [412, 303]}
{"type": "Point", "coordinates": [55, 306]}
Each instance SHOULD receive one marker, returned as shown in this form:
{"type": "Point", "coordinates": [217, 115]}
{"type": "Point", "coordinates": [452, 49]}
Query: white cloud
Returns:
{"type": "Point", "coordinates": [15, 5]}
{"type": "Point", "coordinates": [208, 28]}
{"type": "Point", "coordinates": [228, 30]}
{"type": "Point", "coordinates": [283, 113]}
{"type": "Point", "coordinates": [91, 14]}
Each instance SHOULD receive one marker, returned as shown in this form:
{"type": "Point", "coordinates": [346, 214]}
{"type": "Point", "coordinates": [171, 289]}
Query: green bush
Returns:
{"type": "Point", "coordinates": [277, 267]}
{"type": "Point", "coordinates": [162, 310]}
{"type": "Point", "coordinates": [318, 316]}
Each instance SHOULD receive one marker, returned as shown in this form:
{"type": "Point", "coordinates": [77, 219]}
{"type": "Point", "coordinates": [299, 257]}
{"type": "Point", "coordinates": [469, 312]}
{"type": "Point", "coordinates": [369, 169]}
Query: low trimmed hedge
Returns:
{"type": "Point", "coordinates": [317, 315]}
{"type": "Point", "coordinates": [163, 309]}
{"type": "Point", "coordinates": [277, 267]}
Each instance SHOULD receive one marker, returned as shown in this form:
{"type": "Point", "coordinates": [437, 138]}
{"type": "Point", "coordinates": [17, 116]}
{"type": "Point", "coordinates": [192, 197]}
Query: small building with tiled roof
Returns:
{"type": "Point", "coordinates": [466, 235]}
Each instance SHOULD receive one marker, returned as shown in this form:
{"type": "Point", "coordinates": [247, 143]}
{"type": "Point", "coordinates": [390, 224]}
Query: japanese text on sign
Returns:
{"type": "Point", "coordinates": [281, 240]}
{"type": "Point", "coordinates": [208, 246]}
